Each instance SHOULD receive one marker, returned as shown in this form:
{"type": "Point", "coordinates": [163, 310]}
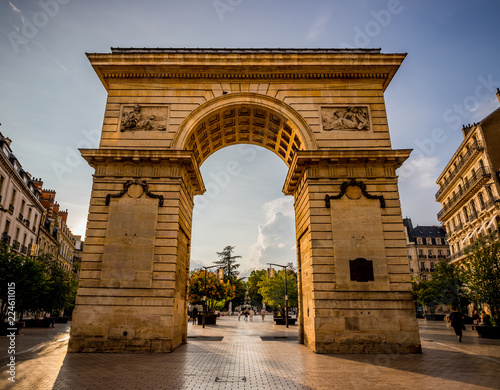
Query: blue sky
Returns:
{"type": "Point", "coordinates": [51, 101]}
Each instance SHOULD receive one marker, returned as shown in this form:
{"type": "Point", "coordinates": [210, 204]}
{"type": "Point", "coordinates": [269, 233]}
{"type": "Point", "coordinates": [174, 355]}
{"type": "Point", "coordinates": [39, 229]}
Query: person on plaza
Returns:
{"type": "Point", "coordinates": [475, 317]}
{"type": "Point", "coordinates": [246, 314]}
{"type": "Point", "coordinates": [251, 313]}
{"type": "Point", "coordinates": [194, 314]}
{"type": "Point", "coordinates": [485, 319]}
{"type": "Point", "coordinates": [263, 314]}
{"type": "Point", "coordinates": [239, 315]}
{"type": "Point", "coordinates": [457, 322]}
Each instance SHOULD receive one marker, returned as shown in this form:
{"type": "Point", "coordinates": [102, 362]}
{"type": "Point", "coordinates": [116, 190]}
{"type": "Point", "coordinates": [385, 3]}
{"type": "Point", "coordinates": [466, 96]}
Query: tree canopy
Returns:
{"type": "Point", "coordinates": [273, 290]}
{"type": "Point", "coordinates": [203, 283]}
{"type": "Point", "coordinates": [480, 273]}
{"type": "Point", "coordinates": [228, 262]}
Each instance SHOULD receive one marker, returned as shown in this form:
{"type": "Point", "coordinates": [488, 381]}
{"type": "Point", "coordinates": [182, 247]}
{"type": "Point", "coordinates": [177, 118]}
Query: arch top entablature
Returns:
{"type": "Point", "coordinates": [244, 117]}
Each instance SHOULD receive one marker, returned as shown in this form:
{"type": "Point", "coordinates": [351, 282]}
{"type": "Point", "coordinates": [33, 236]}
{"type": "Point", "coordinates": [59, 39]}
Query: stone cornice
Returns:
{"type": "Point", "coordinates": [245, 64]}
{"type": "Point", "coordinates": [306, 158]}
{"type": "Point", "coordinates": [184, 158]}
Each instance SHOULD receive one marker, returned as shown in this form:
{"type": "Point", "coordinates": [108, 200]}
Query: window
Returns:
{"type": "Point", "coordinates": [424, 277]}
{"type": "Point", "coordinates": [438, 241]}
{"type": "Point", "coordinates": [428, 241]}
{"type": "Point", "coordinates": [440, 253]}
{"type": "Point", "coordinates": [430, 253]}
{"type": "Point", "coordinates": [481, 200]}
{"type": "Point", "coordinates": [422, 265]}
{"type": "Point", "coordinates": [432, 266]}
{"type": "Point", "coordinates": [466, 214]}
{"type": "Point", "coordinates": [2, 179]}
{"type": "Point", "coordinates": [419, 240]}
{"type": "Point", "coordinates": [13, 197]}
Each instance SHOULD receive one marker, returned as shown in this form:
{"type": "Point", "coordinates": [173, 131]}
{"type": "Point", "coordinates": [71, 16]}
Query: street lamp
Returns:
{"type": "Point", "coordinates": [286, 292]}
{"type": "Point", "coordinates": [205, 291]}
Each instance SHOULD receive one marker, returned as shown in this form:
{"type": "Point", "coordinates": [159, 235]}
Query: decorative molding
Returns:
{"type": "Point", "coordinates": [361, 185]}
{"type": "Point", "coordinates": [126, 186]}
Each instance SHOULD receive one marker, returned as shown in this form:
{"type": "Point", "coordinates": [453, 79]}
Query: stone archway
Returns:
{"type": "Point", "coordinates": [322, 112]}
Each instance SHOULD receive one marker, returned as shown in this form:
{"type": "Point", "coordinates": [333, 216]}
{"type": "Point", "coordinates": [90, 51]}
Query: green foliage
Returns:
{"type": "Point", "coordinates": [203, 283]}
{"type": "Point", "coordinates": [446, 287]}
{"type": "Point", "coordinates": [253, 286]}
{"type": "Point", "coordinates": [273, 290]}
{"type": "Point", "coordinates": [42, 284]}
{"type": "Point", "coordinates": [480, 273]}
{"type": "Point", "coordinates": [228, 262]}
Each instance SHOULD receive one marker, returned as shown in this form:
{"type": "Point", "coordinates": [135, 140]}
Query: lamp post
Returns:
{"type": "Point", "coordinates": [286, 292]}
{"type": "Point", "coordinates": [205, 291]}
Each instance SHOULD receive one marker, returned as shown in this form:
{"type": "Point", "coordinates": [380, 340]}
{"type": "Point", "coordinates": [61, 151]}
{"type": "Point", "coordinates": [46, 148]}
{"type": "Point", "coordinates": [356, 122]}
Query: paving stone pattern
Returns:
{"type": "Point", "coordinates": [253, 355]}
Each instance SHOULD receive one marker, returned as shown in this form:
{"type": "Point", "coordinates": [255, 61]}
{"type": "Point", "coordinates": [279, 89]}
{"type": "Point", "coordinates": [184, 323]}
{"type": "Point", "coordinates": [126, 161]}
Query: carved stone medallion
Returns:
{"type": "Point", "coordinates": [143, 118]}
{"type": "Point", "coordinates": [352, 118]}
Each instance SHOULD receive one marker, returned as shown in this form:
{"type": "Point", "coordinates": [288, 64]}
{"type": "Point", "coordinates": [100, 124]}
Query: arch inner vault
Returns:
{"type": "Point", "coordinates": [322, 112]}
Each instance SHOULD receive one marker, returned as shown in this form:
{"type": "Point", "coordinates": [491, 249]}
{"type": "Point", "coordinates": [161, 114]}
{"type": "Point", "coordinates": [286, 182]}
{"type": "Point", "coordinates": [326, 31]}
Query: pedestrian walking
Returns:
{"type": "Point", "coordinates": [194, 314]}
{"type": "Point", "coordinates": [246, 315]}
{"type": "Point", "coordinates": [457, 322]}
{"type": "Point", "coordinates": [251, 314]}
{"type": "Point", "coordinates": [263, 314]}
{"type": "Point", "coordinates": [239, 315]}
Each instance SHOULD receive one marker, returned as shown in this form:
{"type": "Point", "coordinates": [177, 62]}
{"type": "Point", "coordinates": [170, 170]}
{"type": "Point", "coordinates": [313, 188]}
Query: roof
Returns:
{"type": "Point", "coordinates": [428, 231]}
{"type": "Point", "coordinates": [212, 50]}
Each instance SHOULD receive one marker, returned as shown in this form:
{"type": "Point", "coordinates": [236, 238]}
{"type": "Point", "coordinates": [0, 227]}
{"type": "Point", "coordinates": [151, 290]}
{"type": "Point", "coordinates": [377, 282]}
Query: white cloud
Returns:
{"type": "Point", "coordinates": [276, 238]}
{"type": "Point", "coordinates": [420, 170]}
{"type": "Point", "coordinates": [318, 27]}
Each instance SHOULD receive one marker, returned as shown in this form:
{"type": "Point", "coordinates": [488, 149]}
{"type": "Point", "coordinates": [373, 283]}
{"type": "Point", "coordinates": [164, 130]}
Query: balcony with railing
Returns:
{"type": "Point", "coordinates": [16, 244]}
{"type": "Point", "coordinates": [24, 249]}
{"type": "Point", "coordinates": [473, 151]}
{"type": "Point", "coordinates": [480, 177]}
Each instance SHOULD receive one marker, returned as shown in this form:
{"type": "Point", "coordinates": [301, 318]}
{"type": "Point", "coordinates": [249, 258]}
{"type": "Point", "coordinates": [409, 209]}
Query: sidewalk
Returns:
{"type": "Point", "coordinates": [254, 355]}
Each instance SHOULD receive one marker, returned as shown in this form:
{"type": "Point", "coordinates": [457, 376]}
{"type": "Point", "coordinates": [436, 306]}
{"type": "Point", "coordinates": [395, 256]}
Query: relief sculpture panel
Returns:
{"type": "Point", "coordinates": [143, 118]}
{"type": "Point", "coordinates": [355, 118]}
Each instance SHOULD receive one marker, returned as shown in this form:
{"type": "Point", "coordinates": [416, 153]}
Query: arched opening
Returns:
{"type": "Point", "coordinates": [244, 207]}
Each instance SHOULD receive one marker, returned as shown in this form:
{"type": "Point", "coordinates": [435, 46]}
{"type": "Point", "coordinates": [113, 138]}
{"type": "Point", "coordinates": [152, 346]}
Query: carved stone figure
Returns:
{"type": "Point", "coordinates": [141, 119]}
{"type": "Point", "coordinates": [345, 118]}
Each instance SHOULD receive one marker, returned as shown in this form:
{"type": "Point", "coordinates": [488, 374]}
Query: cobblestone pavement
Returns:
{"type": "Point", "coordinates": [253, 355]}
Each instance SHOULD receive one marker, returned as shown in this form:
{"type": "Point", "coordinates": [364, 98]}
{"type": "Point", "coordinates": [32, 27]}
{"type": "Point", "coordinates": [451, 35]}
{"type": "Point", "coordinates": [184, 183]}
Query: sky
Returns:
{"type": "Point", "coordinates": [52, 103]}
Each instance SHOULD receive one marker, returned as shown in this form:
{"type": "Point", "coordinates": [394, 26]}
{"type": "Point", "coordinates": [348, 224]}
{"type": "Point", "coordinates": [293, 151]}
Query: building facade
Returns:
{"type": "Point", "coordinates": [21, 210]}
{"type": "Point", "coordinates": [30, 219]}
{"type": "Point", "coordinates": [56, 238]}
{"type": "Point", "coordinates": [427, 245]}
{"type": "Point", "coordinates": [469, 186]}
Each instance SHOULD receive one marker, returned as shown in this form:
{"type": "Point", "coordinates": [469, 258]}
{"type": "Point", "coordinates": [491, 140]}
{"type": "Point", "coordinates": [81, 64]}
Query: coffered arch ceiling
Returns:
{"type": "Point", "coordinates": [236, 120]}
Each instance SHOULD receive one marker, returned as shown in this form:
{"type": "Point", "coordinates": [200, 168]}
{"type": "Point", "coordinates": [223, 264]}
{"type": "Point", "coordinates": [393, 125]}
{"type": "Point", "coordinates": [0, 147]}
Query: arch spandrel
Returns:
{"type": "Point", "coordinates": [244, 118]}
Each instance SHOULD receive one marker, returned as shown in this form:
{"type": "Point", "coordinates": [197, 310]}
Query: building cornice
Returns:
{"type": "Point", "coordinates": [245, 64]}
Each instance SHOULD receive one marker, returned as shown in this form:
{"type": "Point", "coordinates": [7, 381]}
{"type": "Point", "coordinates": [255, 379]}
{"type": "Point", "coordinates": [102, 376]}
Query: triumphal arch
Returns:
{"type": "Point", "coordinates": [322, 112]}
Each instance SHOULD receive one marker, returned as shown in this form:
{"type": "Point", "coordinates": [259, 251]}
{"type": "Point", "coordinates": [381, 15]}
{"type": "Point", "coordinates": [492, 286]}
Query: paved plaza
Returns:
{"type": "Point", "coordinates": [253, 355]}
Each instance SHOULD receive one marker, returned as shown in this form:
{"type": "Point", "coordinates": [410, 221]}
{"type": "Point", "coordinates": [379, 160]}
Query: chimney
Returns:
{"type": "Point", "coordinates": [8, 140]}
{"type": "Point", "coordinates": [64, 215]}
{"type": "Point", "coordinates": [38, 184]}
{"type": "Point", "coordinates": [55, 209]}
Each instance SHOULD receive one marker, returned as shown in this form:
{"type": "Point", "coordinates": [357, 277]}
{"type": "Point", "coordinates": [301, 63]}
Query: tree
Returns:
{"type": "Point", "coordinates": [228, 262]}
{"type": "Point", "coordinates": [62, 286]}
{"type": "Point", "coordinates": [273, 290]}
{"type": "Point", "coordinates": [448, 285]}
{"type": "Point", "coordinates": [253, 286]}
{"type": "Point", "coordinates": [426, 294]}
{"type": "Point", "coordinates": [203, 283]}
{"type": "Point", "coordinates": [480, 273]}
